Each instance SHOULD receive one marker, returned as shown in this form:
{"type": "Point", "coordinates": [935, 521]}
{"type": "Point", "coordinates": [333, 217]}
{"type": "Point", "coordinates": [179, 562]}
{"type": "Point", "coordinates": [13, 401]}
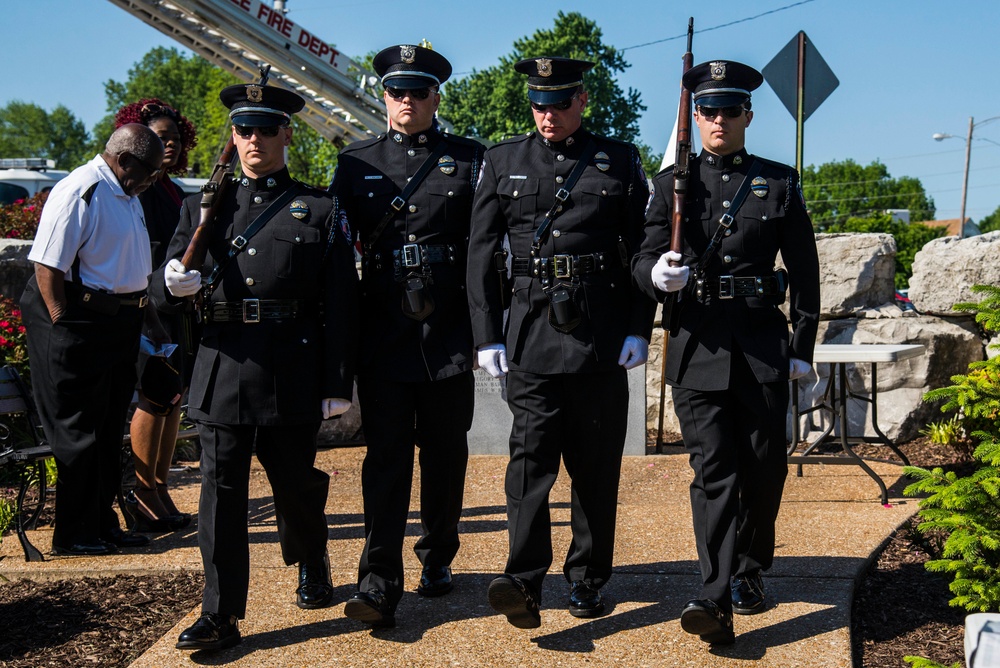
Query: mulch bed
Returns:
{"type": "Point", "coordinates": [899, 609]}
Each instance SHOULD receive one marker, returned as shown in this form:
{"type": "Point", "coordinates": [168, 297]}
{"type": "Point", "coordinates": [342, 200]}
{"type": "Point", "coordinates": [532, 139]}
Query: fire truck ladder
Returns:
{"type": "Point", "coordinates": [240, 35]}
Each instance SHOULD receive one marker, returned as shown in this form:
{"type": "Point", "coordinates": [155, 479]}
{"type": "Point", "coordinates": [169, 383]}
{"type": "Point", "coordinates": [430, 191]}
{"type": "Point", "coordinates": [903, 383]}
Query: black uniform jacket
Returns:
{"type": "Point", "coordinates": [604, 214]}
{"type": "Point", "coordinates": [370, 174]}
{"type": "Point", "coordinates": [274, 371]}
{"type": "Point", "coordinates": [161, 212]}
{"type": "Point", "coordinates": [773, 218]}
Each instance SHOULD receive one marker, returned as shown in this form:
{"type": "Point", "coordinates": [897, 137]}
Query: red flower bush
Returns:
{"type": "Point", "coordinates": [13, 343]}
{"type": "Point", "coordinates": [20, 219]}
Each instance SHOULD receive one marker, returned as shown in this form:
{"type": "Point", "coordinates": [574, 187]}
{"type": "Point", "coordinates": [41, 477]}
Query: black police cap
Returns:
{"type": "Point", "coordinates": [259, 105]}
{"type": "Point", "coordinates": [721, 83]}
{"type": "Point", "coordinates": [552, 79]}
{"type": "Point", "coordinates": [406, 66]}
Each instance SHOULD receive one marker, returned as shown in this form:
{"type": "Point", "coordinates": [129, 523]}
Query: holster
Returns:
{"type": "Point", "coordinates": [564, 314]}
{"type": "Point", "coordinates": [417, 300]}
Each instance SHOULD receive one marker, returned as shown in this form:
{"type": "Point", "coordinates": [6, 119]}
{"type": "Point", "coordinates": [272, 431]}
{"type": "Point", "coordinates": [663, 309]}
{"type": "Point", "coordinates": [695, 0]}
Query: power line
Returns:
{"type": "Point", "coordinates": [724, 25]}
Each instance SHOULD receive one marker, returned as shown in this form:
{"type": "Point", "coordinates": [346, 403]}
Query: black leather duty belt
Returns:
{"type": "Point", "coordinates": [729, 287]}
{"type": "Point", "coordinates": [254, 310]}
{"type": "Point", "coordinates": [558, 266]}
{"type": "Point", "coordinates": [414, 256]}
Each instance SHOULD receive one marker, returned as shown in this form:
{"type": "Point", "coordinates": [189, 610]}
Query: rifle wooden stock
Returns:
{"type": "Point", "coordinates": [212, 194]}
{"type": "Point", "coordinates": [682, 171]}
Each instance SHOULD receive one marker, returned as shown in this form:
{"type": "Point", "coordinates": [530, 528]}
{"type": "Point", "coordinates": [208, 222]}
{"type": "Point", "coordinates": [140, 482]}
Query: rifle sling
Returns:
{"type": "Point", "coordinates": [563, 194]}
{"type": "Point", "coordinates": [726, 220]}
{"type": "Point", "coordinates": [239, 244]}
{"type": "Point", "coordinates": [399, 202]}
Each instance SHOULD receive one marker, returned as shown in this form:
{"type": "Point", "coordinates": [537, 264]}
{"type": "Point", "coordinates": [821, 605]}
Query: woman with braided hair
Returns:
{"type": "Point", "coordinates": [156, 420]}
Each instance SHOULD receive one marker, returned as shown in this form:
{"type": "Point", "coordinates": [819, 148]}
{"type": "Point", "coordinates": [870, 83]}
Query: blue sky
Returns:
{"type": "Point", "coordinates": [907, 69]}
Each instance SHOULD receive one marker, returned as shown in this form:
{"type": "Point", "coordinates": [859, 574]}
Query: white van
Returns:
{"type": "Point", "coordinates": [23, 177]}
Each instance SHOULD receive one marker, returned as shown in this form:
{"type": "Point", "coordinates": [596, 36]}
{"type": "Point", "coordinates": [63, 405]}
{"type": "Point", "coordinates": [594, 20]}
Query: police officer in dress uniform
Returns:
{"type": "Point", "coordinates": [571, 204]}
{"type": "Point", "coordinates": [415, 381]}
{"type": "Point", "coordinates": [730, 359]}
{"type": "Point", "coordinates": [276, 356]}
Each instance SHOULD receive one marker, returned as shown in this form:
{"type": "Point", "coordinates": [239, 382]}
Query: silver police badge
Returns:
{"type": "Point", "coordinates": [299, 209]}
{"type": "Point", "coordinates": [255, 93]}
{"type": "Point", "coordinates": [407, 53]}
{"type": "Point", "coordinates": [602, 161]}
{"type": "Point", "coordinates": [544, 66]}
{"type": "Point", "coordinates": [446, 164]}
{"type": "Point", "coordinates": [759, 186]}
{"type": "Point", "coordinates": [718, 70]}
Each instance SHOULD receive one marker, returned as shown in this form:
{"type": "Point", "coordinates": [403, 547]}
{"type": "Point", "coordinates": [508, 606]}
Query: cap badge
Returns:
{"type": "Point", "coordinates": [407, 53]}
{"type": "Point", "coordinates": [759, 186]}
{"type": "Point", "coordinates": [544, 66]}
{"type": "Point", "coordinates": [718, 70]}
{"type": "Point", "coordinates": [255, 93]}
{"type": "Point", "coordinates": [299, 209]}
{"type": "Point", "coordinates": [446, 164]}
{"type": "Point", "coordinates": [602, 161]}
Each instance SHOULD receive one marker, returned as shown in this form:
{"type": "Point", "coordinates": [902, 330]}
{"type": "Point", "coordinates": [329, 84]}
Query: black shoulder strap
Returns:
{"type": "Point", "coordinates": [400, 200]}
{"type": "Point", "coordinates": [240, 242]}
{"type": "Point", "coordinates": [563, 194]}
{"type": "Point", "coordinates": [726, 220]}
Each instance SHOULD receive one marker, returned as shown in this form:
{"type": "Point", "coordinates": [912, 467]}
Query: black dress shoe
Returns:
{"type": "Point", "coordinates": [748, 594]}
{"type": "Point", "coordinates": [435, 581]}
{"type": "Point", "coordinates": [211, 632]}
{"type": "Point", "coordinates": [120, 538]}
{"type": "Point", "coordinates": [585, 600]}
{"type": "Point", "coordinates": [707, 620]}
{"type": "Point", "coordinates": [84, 549]}
{"type": "Point", "coordinates": [371, 607]}
{"type": "Point", "coordinates": [511, 596]}
{"type": "Point", "coordinates": [315, 587]}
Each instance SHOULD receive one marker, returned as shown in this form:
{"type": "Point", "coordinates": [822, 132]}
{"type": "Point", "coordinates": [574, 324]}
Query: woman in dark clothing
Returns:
{"type": "Point", "coordinates": [162, 380]}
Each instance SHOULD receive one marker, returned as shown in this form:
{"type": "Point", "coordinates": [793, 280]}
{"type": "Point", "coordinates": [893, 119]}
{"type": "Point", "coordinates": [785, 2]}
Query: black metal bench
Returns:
{"type": "Point", "coordinates": [23, 449]}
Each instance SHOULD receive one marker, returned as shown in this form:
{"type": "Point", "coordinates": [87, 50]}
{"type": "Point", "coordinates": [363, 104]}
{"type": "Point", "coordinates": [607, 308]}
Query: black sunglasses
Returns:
{"type": "Point", "coordinates": [414, 93]}
{"type": "Point", "coordinates": [557, 106]}
{"type": "Point", "coordinates": [152, 171]}
{"type": "Point", "coordinates": [734, 111]}
{"type": "Point", "coordinates": [246, 131]}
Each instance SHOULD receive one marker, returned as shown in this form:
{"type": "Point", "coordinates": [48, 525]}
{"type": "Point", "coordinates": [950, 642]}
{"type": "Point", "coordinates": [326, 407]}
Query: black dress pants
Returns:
{"type": "Point", "coordinates": [735, 440]}
{"type": "Point", "coordinates": [581, 417]}
{"type": "Point", "coordinates": [287, 453]}
{"type": "Point", "coordinates": [436, 417]}
{"type": "Point", "coordinates": [83, 378]}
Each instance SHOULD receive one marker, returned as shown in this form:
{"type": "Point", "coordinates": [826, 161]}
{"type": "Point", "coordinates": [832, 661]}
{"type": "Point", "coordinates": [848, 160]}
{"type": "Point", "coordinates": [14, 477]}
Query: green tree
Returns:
{"type": "Point", "coordinates": [836, 191]}
{"type": "Point", "coordinates": [492, 103]}
{"type": "Point", "coordinates": [991, 222]}
{"type": "Point", "coordinates": [28, 131]}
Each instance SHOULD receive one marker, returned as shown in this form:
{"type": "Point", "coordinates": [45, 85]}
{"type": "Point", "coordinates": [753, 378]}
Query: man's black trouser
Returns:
{"type": "Point", "coordinates": [83, 378]}
{"type": "Point", "coordinates": [436, 417]}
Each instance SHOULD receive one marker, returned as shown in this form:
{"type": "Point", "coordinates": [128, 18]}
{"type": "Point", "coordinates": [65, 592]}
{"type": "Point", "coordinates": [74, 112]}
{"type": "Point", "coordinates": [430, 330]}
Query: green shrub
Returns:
{"type": "Point", "coordinates": [967, 509]}
{"type": "Point", "coordinates": [944, 432]}
{"type": "Point", "coordinates": [920, 662]}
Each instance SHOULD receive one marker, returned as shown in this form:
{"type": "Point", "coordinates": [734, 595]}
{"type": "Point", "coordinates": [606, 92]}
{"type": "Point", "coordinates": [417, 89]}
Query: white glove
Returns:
{"type": "Point", "coordinates": [334, 407]}
{"type": "Point", "coordinates": [797, 368]}
{"type": "Point", "coordinates": [635, 351]}
{"type": "Point", "coordinates": [181, 283]}
{"type": "Point", "coordinates": [493, 358]}
{"type": "Point", "coordinates": [667, 278]}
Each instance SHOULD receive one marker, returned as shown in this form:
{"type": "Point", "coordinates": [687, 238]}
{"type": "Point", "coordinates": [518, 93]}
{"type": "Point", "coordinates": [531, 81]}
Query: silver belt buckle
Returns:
{"type": "Point", "coordinates": [727, 287]}
{"type": "Point", "coordinates": [411, 255]}
{"type": "Point", "coordinates": [562, 266]}
{"type": "Point", "coordinates": [251, 310]}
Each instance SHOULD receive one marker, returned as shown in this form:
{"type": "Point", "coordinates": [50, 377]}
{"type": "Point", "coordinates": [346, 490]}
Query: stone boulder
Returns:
{"type": "Point", "coordinates": [950, 346]}
{"type": "Point", "coordinates": [14, 267]}
{"type": "Point", "coordinates": [856, 272]}
{"type": "Point", "coordinates": [945, 269]}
